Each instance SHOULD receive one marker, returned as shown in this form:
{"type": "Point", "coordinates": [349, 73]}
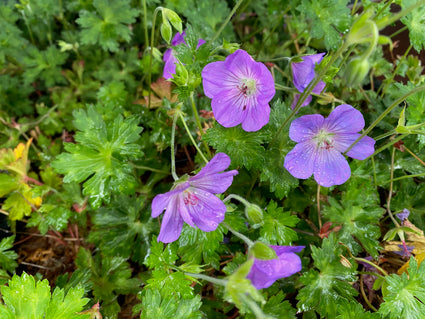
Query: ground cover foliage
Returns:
{"type": "Point", "coordinates": [91, 133]}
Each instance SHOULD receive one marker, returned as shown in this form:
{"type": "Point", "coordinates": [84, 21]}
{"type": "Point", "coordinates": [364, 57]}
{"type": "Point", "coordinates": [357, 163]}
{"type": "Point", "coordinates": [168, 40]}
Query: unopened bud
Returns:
{"type": "Point", "coordinates": [262, 251]}
{"type": "Point", "coordinates": [356, 71]}
{"type": "Point", "coordinates": [345, 262]}
{"type": "Point", "coordinates": [254, 214]}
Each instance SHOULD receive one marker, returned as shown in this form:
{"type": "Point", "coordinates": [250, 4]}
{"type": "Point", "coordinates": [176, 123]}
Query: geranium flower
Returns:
{"type": "Point", "coordinates": [193, 200]}
{"type": "Point", "coordinates": [240, 89]}
{"type": "Point", "coordinates": [303, 73]}
{"type": "Point", "coordinates": [321, 142]}
{"type": "Point", "coordinates": [169, 58]}
{"type": "Point", "coordinates": [264, 273]}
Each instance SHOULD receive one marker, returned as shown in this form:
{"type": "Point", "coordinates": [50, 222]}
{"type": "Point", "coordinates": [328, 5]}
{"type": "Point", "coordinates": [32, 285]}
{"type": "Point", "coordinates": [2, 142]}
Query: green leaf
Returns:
{"type": "Point", "coordinates": [275, 230]}
{"type": "Point", "coordinates": [44, 65]}
{"type": "Point", "coordinates": [405, 296]}
{"type": "Point", "coordinates": [160, 257]}
{"type": "Point", "coordinates": [50, 216]}
{"type": "Point", "coordinates": [281, 181]}
{"type": "Point", "coordinates": [101, 156]}
{"type": "Point", "coordinates": [8, 257]}
{"type": "Point", "coordinates": [358, 214]}
{"type": "Point", "coordinates": [169, 283]}
{"type": "Point", "coordinates": [26, 298]}
{"type": "Point", "coordinates": [331, 285]}
{"type": "Point", "coordinates": [244, 148]}
{"type": "Point", "coordinates": [415, 22]}
{"type": "Point", "coordinates": [198, 246]}
{"type": "Point", "coordinates": [353, 309]}
{"type": "Point", "coordinates": [120, 230]}
{"type": "Point", "coordinates": [328, 19]}
{"type": "Point", "coordinates": [107, 26]}
{"type": "Point", "coordinates": [110, 276]}
{"type": "Point", "coordinates": [277, 307]}
{"type": "Point", "coordinates": [168, 307]}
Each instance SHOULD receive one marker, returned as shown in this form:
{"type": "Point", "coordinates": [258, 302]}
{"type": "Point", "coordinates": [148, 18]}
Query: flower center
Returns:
{"type": "Point", "coordinates": [190, 199]}
{"type": "Point", "coordinates": [248, 87]}
{"type": "Point", "coordinates": [324, 139]}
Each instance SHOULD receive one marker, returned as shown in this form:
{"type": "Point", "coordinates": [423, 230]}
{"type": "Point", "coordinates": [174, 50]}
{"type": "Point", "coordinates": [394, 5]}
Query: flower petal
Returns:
{"type": "Point", "coordinates": [161, 201]}
{"type": "Point", "coordinates": [257, 116]}
{"type": "Point", "coordinates": [258, 279]}
{"type": "Point", "coordinates": [280, 250]}
{"type": "Point", "coordinates": [208, 212]}
{"type": "Point", "coordinates": [344, 119]}
{"type": "Point", "coordinates": [172, 223]}
{"type": "Point", "coordinates": [209, 178]}
{"type": "Point", "coordinates": [170, 64]}
{"type": "Point", "coordinates": [178, 38]}
{"type": "Point", "coordinates": [331, 168]}
{"type": "Point", "coordinates": [213, 75]}
{"type": "Point", "coordinates": [363, 149]}
{"type": "Point", "coordinates": [302, 74]}
{"type": "Point", "coordinates": [305, 103]}
{"type": "Point", "coordinates": [229, 110]}
{"type": "Point", "coordinates": [242, 65]}
{"type": "Point", "coordinates": [300, 160]}
{"type": "Point", "coordinates": [319, 87]}
{"type": "Point", "coordinates": [305, 127]}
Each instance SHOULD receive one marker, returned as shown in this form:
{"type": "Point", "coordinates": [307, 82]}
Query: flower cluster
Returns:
{"type": "Point", "coordinates": [303, 73]}
{"type": "Point", "coordinates": [264, 273]}
{"type": "Point", "coordinates": [193, 200]}
{"type": "Point", "coordinates": [321, 142]}
{"type": "Point", "coordinates": [240, 89]}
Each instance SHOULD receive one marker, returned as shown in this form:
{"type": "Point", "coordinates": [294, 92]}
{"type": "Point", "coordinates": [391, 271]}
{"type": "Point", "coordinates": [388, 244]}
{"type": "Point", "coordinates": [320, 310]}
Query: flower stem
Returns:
{"type": "Point", "coordinates": [217, 281]}
{"type": "Point", "coordinates": [248, 241]}
{"type": "Point", "coordinates": [256, 310]}
{"type": "Point", "coordinates": [216, 35]}
{"type": "Point", "coordinates": [388, 110]}
{"type": "Point", "coordinates": [145, 22]}
{"type": "Point", "coordinates": [385, 22]}
{"type": "Point", "coordinates": [388, 145]}
{"type": "Point", "coordinates": [318, 206]}
{"type": "Point", "coordinates": [390, 192]}
{"type": "Point", "coordinates": [404, 177]}
{"type": "Point", "coordinates": [173, 157]}
{"type": "Point", "coordinates": [414, 155]}
{"type": "Point", "coordinates": [191, 138]}
{"type": "Point", "coordinates": [151, 55]}
{"type": "Point", "coordinates": [147, 168]}
{"type": "Point", "coordinates": [238, 198]}
{"type": "Point", "coordinates": [198, 122]}
{"type": "Point", "coordinates": [364, 260]}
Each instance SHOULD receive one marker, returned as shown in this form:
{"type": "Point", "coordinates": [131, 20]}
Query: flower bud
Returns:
{"type": "Point", "coordinates": [254, 214]}
{"type": "Point", "coordinates": [262, 251]}
{"type": "Point", "coordinates": [356, 71]}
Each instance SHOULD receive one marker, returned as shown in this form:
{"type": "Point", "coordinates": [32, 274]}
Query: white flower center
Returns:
{"type": "Point", "coordinates": [324, 139]}
{"type": "Point", "coordinates": [248, 87]}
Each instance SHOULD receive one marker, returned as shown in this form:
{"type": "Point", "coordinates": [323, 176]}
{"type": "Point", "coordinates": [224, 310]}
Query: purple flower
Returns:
{"type": "Point", "coordinates": [169, 58]}
{"type": "Point", "coordinates": [264, 273]}
{"type": "Point", "coordinates": [240, 89]}
{"type": "Point", "coordinates": [303, 73]}
{"type": "Point", "coordinates": [403, 215]}
{"type": "Point", "coordinates": [193, 200]}
{"type": "Point", "coordinates": [321, 142]}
